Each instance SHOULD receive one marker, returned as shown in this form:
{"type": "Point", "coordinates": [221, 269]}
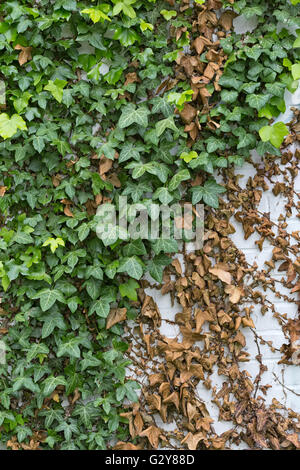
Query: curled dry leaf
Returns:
{"type": "Point", "coordinates": [153, 434]}
{"type": "Point", "coordinates": [55, 180]}
{"type": "Point", "coordinates": [226, 20]}
{"type": "Point", "coordinates": [192, 440]}
{"type": "Point", "coordinates": [198, 45]}
{"type": "Point", "coordinates": [2, 190]}
{"type": "Point", "coordinates": [224, 276]}
{"type": "Point", "coordinates": [234, 293]}
{"type": "Point", "coordinates": [25, 54]}
{"type": "Point", "coordinates": [177, 266]}
{"type": "Point", "coordinates": [294, 439]}
{"type": "Point", "coordinates": [68, 212]}
{"type": "Point", "coordinates": [173, 398]}
{"type": "Point", "coordinates": [76, 396]}
{"type": "Point", "coordinates": [114, 180]}
{"type": "Point", "coordinates": [188, 113]}
{"type": "Point", "coordinates": [105, 165]}
{"type": "Point", "coordinates": [125, 446]}
{"type": "Point", "coordinates": [131, 78]}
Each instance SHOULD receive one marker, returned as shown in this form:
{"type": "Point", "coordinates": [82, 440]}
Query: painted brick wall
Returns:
{"type": "Point", "coordinates": [266, 325]}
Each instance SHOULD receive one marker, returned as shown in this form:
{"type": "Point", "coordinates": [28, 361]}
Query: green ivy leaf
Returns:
{"type": "Point", "coordinates": [257, 101]}
{"type": "Point", "coordinates": [25, 382]}
{"type": "Point", "coordinates": [163, 195]}
{"type": "Point", "coordinates": [96, 14]}
{"type": "Point", "coordinates": [275, 134]}
{"type": "Point", "coordinates": [168, 14]}
{"type": "Point", "coordinates": [165, 245]}
{"type": "Point", "coordinates": [167, 123]}
{"type": "Point", "coordinates": [35, 350]}
{"type": "Point", "coordinates": [297, 42]}
{"type": "Point", "coordinates": [209, 193]}
{"type": "Point", "coordinates": [129, 151]}
{"type": "Point", "coordinates": [69, 348]}
{"type": "Point", "coordinates": [21, 103]}
{"type": "Point", "coordinates": [229, 96]}
{"type": "Point", "coordinates": [50, 384]}
{"type": "Point", "coordinates": [128, 289]}
{"type": "Point", "coordinates": [51, 321]}
{"type": "Point", "coordinates": [48, 297]}
{"type": "Point", "coordinates": [38, 143]}
{"type": "Point", "coordinates": [131, 266]}
{"type": "Point", "coordinates": [101, 307]}
{"type": "Point", "coordinates": [182, 175]}
{"type": "Point", "coordinates": [131, 115]}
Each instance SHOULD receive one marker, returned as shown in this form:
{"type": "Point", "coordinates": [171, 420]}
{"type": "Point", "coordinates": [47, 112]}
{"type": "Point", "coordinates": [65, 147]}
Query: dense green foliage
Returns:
{"type": "Point", "coordinates": [64, 111]}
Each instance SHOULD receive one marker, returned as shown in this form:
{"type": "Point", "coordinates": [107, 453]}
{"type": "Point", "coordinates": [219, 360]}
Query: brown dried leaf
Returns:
{"type": "Point", "coordinates": [76, 396]}
{"type": "Point", "coordinates": [152, 433]}
{"type": "Point", "coordinates": [177, 266]}
{"type": "Point", "coordinates": [234, 293]}
{"type": "Point", "coordinates": [131, 78]}
{"type": "Point", "coordinates": [25, 54]}
{"type": "Point", "coordinates": [116, 315]}
{"type": "Point", "coordinates": [105, 165]}
{"type": "Point", "coordinates": [125, 446]}
{"type": "Point", "coordinates": [55, 181]}
{"type": "Point", "coordinates": [192, 440]}
{"type": "Point", "coordinates": [138, 423]}
{"type": "Point", "coordinates": [224, 276]}
{"type": "Point", "coordinates": [2, 190]}
{"type": "Point", "coordinates": [293, 438]}
{"type": "Point", "coordinates": [68, 212]}
{"type": "Point", "coordinates": [173, 398]}
{"type": "Point", "coordinates": [114, 180]}
{"type": "Point", "coordinates": [188, 113]}
{"type": "Point", "coordinates": [209, 71]}
{"type": "Point", "coordinates": [198, 45]}
{"type": "Point", "coordinates": [226, 20]}
{"type": "Point", "coordinates": [13, 443]}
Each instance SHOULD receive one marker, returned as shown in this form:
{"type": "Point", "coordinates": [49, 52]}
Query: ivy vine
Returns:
{"type": "Point", "coordinates": [103, 100]}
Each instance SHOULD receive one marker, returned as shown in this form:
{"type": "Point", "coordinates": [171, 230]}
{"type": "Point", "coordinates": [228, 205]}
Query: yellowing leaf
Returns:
{"type": "Point", "coordinates": [95, 14]}
{"type": "Point", "coordinates": [9, 126]}
{"type": "Point", "coordinates": [56, 88]}
{"type": "Point", "coordinates": [296, 71]}
{"type": "Point", "coordinates": [275, 134]}
{"type": "Point", "coordinates": [144, 26]}
{"type": "Point", "coordinates": [55, 397]}
{"type": "Point", "coordinates": [187, 157]}
{"type": "Point", "coordinates": [54, 243]}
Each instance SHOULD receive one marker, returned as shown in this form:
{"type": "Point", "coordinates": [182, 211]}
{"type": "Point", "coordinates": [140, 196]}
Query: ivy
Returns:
{"type": "Point", "coordinates": [275, 134]}
{"type": "Point", "coordinates": [10, 125]}
{"type": "Point", "coordinates": [96, 108]}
